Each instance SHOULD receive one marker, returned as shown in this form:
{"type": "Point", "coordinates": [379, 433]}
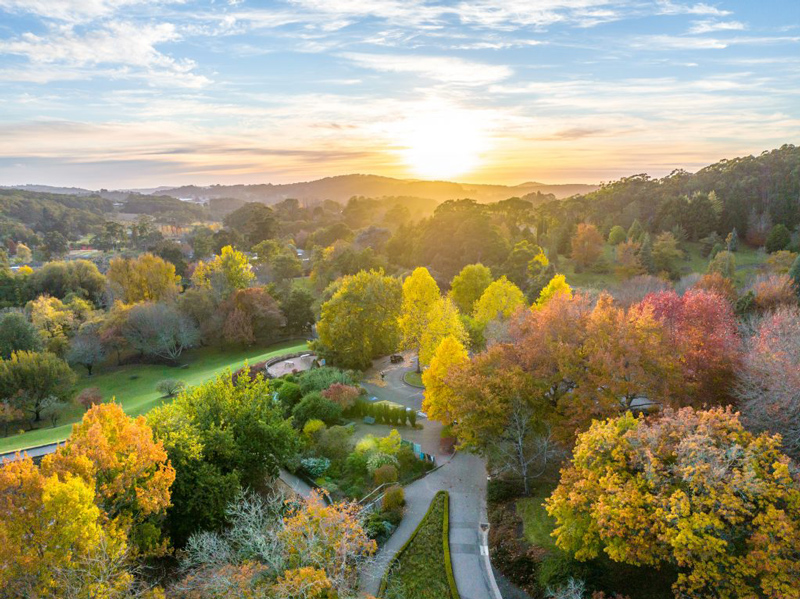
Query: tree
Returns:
{"type": "Point", "coordinates": [159, 330]}
{"type": "Point", "coordinates": [556, 287]}
{"type": "Point", "coordinates": [692, 489]}
{"type": "Point", "coordinates": [774, 291]}
{"type": "Point", "coordinates": [636, 231]}
{"type": "Point", "coordinates": [23, 254]}
{"type": "Point", "coordinates": [646, 255]}
{"type": "Point", "coordinates": [170, 387]}
{"type": "Point", "coordinates": [500, 300]}
{"type": "Point", "coordinates": [146, 278]}
{"type": "Point", "coordinates": [255, 221]}
{"type": "Point", "coordinates": [226, 273]}
{"type": "Point", "coordinates": [54, 321]}
{"type": "Point", "coordinates": [316, 407]}
{"type": "Point", "coordinates": [420, 294]}
{"type": "Point", "coordinates": [86, 349]}
{"type": "Point", "coordinates": [250, 315]}
{"type": "Point", "coordinates": [17, 333]}
{"type": "Point", "coordinates": [587, 245]}
{"type": "Point", "coordinates": [769, 383]}
{"type": "Point", "coordinates": [438, 394]}
{"type": "Point", "coordinates": [732, 241]}
{"type": "Point", "coordinates": [128, 469]}
{"type": "Point", "coordinates": [617, 235]}
{"type": "Point", "coordinates": [723, 263]}
{"type": "Point", "coordinates": [29, 378]}
{"type": "Point", "coordinates": [9, 414]}
{"type": "Point", "coordinates": [781, 261]}
{"type": "Point", "coordinates": [794, 273]}
{"type": "Point", "coordinates": [297, 308]}
{"type": "Point", "coordinates": [540, 272]}
{"type": "Point", "coordinates": [515, 268]}
{"type": "Point", "coordinates": [666, 254]}
{"type": "Point", "coordinates": [468, 286]}
{"type": "Point", "coordinates": [360, 321]}
{"type": "Point", "coordinates": [52, 537]}
{"type": "Point", "coordinates": [62, 279]}
{"type": "Point", "coordinates": [443, 321]}
{"type": "Point", "coordinates": [703, 333]}
{"type": "Point", "coordinates": [779, 237]}
{"type": "Point", "coordinates": [55, 245]}
{"type": "Point", "coordinates": [220, 437]}
{"type": "Point", "coordinates": [628, 259]}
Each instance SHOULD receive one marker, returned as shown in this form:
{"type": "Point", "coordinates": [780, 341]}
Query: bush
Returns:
{"type": "Point", "coordinates": [774, 291]}
{"type": "Point", "coordinates": [289, 395]}
{"type": "Point", "coordinates": [499, 490]}
{"type": "Point", "coordinates": [334, 443]}
{"type": "Point", "coordinates": [313, 406]}
{"type": "Point", "coordinates": [313, 426]}
{"type": "Point", "coordinates": [378, 459]}
{"type": "Point", "coordinates": [385, 474]}
{"type": "Point", "coordinates": [89, 397]}
{"type": "Point", "coordinates": [319, 379]}
{"type": "Point", "coordinates": [394, 498]}
{"type": "Point", "coordinates": [558, 568]}
{"type": "Point", "coordinates": [779, 237]}
{"type": "Point", "coordinates": [315, 467]}
{"type": "Point", "coordinates": [344, 396]}
{"type": "Point", "coordinates": [170, 387]}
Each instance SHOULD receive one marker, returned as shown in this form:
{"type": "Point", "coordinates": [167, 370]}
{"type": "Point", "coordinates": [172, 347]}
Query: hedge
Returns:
{"type": "Point", "coordinates": [445, 546]}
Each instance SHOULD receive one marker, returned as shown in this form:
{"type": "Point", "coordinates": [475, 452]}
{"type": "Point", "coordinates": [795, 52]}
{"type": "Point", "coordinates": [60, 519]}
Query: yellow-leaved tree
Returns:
{"type": "Point", "coordinates": [226, 273]}
{"type": "Point", "coordinates": [53, 539]}
{"type": "Point", "coordinates": [146, 278]}
{"type": "Point", "coordinates": [557, 286]}
{"type": "Point", "coordinates": [420, 293]}
{"type": "Point", "coordinates": [443, 321]}
{"type": "Point", "coordinates": [129, 470]}
{"type": "Point", "coordinates": [500, 300]}
{"type": "Point", "coordinates": [692, 489]}
{"type": "Point", "coordinates": [438, 394]}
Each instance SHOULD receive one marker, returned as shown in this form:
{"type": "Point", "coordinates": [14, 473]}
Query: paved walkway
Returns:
{"type": "Point", "coordinates": [463, 476]}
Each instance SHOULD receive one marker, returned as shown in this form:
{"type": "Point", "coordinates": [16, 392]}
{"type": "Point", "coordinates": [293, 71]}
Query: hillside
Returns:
{"type": "Point", "coordinates": [342, 188]}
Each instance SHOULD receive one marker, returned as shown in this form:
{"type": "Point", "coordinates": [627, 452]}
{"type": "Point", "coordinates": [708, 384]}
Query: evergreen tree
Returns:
{"type": "Point", "coordinates": [636, 231]}
{"type": "Point", "coordinates": [646, 253]}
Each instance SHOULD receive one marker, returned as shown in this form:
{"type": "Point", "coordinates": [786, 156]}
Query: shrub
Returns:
{"type": "Point", "coordinates": [378, 459]}
{"type": "Point", "coordinates": [774, 291]}
{"type": "Point", "coordinates": [313, 406]}
{"type": "Point", "coordinates": [313, 426]}
{"type": "Point", "coordinates": [394, 498]}
{"type": "Point", "coordinates": [344, 396]}
{"type": "Point", "coordinates": [334, 443]}
{"type": "Point", "coordinates": [319, 379]}
{"type": "Point", "coordinates": [385, 474]}
{"type": "Point", "coordinates": [412, 418]}
{"type": "Point", "coordinates": [315, 467]}
{"type": "Point", "coordinates": [715, 283]}
{"type": "Point", "coordinates": [558, 568]}
{"type": "Point", "coordinates": [779, 237]}
{"type": "Point", "coordinates": [89, 397]}
{"type": "Point", "coordinates": [170, 387]}
{"type": "Point", "coordinates": [500, 490]}
{"type": "Point", "coordinates": [289, 395]}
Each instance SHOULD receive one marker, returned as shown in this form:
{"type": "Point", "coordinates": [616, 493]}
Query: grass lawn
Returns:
{"type": "Point", "coordinates": [536, 522]}
{"type": "Point", "coordinates": [414, 378]}
{"type": "Point", "coordinates": [420, 570]}
{"type": "Point", "coordinates": [134, 386]}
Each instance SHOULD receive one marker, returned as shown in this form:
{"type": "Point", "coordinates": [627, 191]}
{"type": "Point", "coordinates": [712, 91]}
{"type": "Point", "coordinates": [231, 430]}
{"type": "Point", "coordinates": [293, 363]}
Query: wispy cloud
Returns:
{"type": "Point", "coordinates": [699, 27]}
{"type": "Point", "coordinates": [442, 69]}
{"type": "Point", "coordinates": [76, 10]}
{"type": "Point", "coordinates": [667, 7]}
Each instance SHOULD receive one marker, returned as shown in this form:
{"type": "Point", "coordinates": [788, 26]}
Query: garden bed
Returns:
{"type": "Point", "coordinates": [422, 568]}
{"type": "Point", "coordinates": [413, 378]}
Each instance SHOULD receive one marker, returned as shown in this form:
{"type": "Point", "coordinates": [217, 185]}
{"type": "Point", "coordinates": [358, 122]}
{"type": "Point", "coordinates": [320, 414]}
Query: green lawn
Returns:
{"type": "Point", "coordinates": [134, 385]}
{"type": "Point", "coordinates": [536, 522]}
{"type": "Point", "coordinates": [414, 378]}
{"type": "Point", "coordinates": [420, 568]}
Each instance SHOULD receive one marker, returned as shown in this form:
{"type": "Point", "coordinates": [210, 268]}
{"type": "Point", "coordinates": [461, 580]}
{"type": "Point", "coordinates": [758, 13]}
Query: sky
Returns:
{"type": "Point", "coordinates": [143, 93]}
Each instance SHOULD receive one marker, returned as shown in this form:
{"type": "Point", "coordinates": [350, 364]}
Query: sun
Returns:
{"type": "Point", "coordinates": [442, 144]}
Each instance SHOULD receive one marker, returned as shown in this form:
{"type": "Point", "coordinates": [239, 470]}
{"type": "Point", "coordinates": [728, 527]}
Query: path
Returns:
{"type": "Point", "coordinates": [464, 476]}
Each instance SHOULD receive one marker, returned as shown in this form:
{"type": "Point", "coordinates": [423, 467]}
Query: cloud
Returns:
{"type": "Point", "coordinates": [75, 10]}
{"type": "Point", "coordinates": [667, 7]}
{"type": "Point", "coordinates": [129, 48]}
{"type": "Point", "coordinates": [439, 68]}
{"type": "Point", "coordinates": [678, 42]}
{"type": "Point", "coordinates": [699, 27]}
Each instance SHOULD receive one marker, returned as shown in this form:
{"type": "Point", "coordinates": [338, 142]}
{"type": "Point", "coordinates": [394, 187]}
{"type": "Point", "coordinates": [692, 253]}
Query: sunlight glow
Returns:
{"type": "Point", "coordinates": [443, 144]}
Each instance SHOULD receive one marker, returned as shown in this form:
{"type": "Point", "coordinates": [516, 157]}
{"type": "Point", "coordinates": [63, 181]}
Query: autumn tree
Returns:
{"type": "Point", "coordinates": [587, 245]}
{"type": "Point", "coordinates": [360, 321]}
{"type": "Point", "coordinates": [692, 489]}
{"type": "Point", "coordinates": [769, 383]}
{"type": "Point", "coordinates": [159, 331]}
{"type": "Point", "coordinates": [443, 321]}
{"type": "Point", "coordinates": [53, 538]}
{"type": "Point", "coordinates": [227, 272]}
{"type": "Point", "coordinates": [773, 291]}
{"type": "Point", "coordinates": [500, 300]}
{"type": "Point", "coordinates": [128, 468]}
{"type": "Point", "coordinates": [627, 254]}
{"type": "Point", "coordinates": [723, 263]}
{"type": "Point", "coordinates": [716, 283]}
{"type": "Point", "coordinates": [55, 322]}
{"type": "Point", "coordinates": [467, 286]}
{"type": "Point", "coordinates": [420, 293]}
{"type": "Point", "coordinates": [30, 379]}
{"type": "Point", "coordinates": [703, 334]}
{"type": "Point", "coordinates": [17, 333]}
{"type": "Point", "coordinates": [146, 278]}
{"type": "Point", "coordinates": [557, 286]}
{"type": "Point", "coordinates": [87, 349]}
{"type": "Point", "coordinates": [438, 394]}
{"type": "Point", "coordinates": [250, 315]}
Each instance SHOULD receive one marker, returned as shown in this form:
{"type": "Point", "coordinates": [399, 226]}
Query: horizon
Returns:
{"type": "Point", "coordinates": [122, 94]}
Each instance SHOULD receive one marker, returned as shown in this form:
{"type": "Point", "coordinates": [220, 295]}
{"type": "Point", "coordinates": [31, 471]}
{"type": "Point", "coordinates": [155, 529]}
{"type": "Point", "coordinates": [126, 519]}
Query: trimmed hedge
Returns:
{"type": "Point", "coordinates": [444, 498]}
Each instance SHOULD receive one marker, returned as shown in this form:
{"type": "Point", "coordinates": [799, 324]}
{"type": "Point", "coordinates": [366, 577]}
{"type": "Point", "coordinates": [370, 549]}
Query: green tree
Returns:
{"type": "Point", "coordinates": [515, 268]}
{"type": "Point", "coordinates": [617, 235]}
{"type": "Point", "coordinates": [30, 379]}
{"type": "Point", "coordinates": [500, 300]}
{"type": "Point", "coordinates": [636, 231]}
{"type": "Point", "coordinates": [468, 286]}
{"type": "Point", "coordinates": [254, 221]}
{"type": "Point", "coordinates": [227, 272]}
{"type": "Point", "coordinates": [17, 333]}
{"type": "Point", "coordinates": [646, 254]}
{"type": "Point", "coordinates": [666, 255]}
{"type": "Point", "coordinates": [779, 237]}
{"type": "Point", "coordinates": [723, 263]}
{"type": "Point", "coordinates": [360, 321]}
{"type": "Point", "coordinates": [297, 308]}
{"type": "Point", "coordinates": [220, 437]}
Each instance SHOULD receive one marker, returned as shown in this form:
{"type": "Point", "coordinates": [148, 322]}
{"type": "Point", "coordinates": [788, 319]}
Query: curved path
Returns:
{"type": "Point", "coordinates": [463, 475]}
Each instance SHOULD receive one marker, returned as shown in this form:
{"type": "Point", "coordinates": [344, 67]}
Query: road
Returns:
{"type": "Point", "coordinates": [463, 476]}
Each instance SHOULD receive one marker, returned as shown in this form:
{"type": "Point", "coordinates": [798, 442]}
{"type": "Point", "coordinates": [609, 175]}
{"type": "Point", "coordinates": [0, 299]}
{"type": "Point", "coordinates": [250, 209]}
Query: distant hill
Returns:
{"type": "Point", "coordinates": [342, 188]}
{"type": "Point", "coordinates": [73, 191]}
